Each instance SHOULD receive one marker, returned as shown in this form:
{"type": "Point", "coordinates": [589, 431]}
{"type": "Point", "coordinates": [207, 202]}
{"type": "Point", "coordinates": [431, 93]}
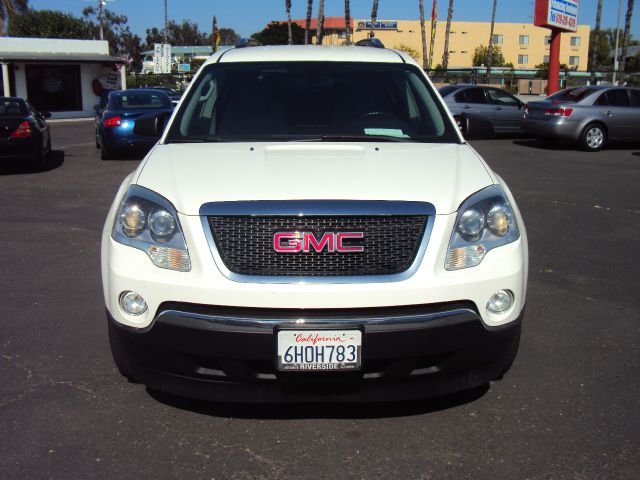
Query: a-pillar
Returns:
{"type": "Point", "coordinates": [554, 63]}
{"type": "Point", "coordinates": [5, 80]}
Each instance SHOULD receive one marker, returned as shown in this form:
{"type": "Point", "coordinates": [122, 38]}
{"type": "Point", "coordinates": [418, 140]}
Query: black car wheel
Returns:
{"type": "Point", "coordinates": [593, 137]}
{"type": "Point", "coordinates": [105, 153]}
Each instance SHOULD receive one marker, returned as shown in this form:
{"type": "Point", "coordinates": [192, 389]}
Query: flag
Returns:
{"type": "Point", "coordinates": [434, 24]}
{"type": "Point", "coordinates": [215, 35]}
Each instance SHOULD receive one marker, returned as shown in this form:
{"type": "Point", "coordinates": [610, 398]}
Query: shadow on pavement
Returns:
{"type": "Point", "coordinates": [544, 144]}
{"type": "Point", "coordinates": [21, 167]}
{"type": "Point", "coordinates": [291, 411]}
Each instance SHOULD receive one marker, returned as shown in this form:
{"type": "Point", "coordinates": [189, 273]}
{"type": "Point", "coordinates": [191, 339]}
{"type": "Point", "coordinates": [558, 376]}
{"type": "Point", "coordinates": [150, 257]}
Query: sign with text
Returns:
{"type": "Point", "coordinates": [558, 14]}
{"type": "Point", "coordinates": [161, 58]}
{"type": "Point", "coordinates": [383, 25]}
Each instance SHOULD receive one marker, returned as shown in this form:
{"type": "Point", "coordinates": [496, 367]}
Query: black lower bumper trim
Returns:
{"type": "Point", "coordinates": [223, 354]}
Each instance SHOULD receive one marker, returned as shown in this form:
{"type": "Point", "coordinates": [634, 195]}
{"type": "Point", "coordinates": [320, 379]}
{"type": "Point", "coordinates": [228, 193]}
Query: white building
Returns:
{"type": "Point", "coordinates": [64, 77]}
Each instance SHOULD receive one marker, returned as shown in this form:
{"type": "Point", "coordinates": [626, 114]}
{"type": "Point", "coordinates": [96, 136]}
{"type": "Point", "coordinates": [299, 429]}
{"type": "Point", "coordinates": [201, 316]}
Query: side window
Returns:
{"type": "Point", "coordinates": [500, 97]}
{"type": "Point", "coordinates": [618, 98]}
{"type": "Point", "coordinates": [601, 100]}
{"type": "Point", "coordinates": [460, 97]}
{"type": "Point", "coordinates": [635, 97]}
{"type": "Point", "coordinates": [475, 95]}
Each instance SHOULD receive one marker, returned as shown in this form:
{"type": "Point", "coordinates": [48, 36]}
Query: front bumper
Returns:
{"type": "Point", "coordinates": [229, 353]}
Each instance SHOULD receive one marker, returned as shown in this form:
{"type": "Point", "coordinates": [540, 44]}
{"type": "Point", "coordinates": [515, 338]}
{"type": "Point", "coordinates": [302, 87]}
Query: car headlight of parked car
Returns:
{"type": "Point", "coordinates": [485, 221]}
{"type": "Point", "coordinates": [149, 222]}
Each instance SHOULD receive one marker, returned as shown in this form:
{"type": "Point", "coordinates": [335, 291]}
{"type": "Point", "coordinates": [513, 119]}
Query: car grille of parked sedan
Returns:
{"type": "Point", "coordinates": [246, 245]}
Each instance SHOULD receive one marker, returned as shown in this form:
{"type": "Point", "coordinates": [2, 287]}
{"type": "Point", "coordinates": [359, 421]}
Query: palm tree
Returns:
{"type": "Point", "coordinates": [490, 49]}
{"type": "Point", "coordinates": [594, 44]}
{"type": "Point", "coordinates": [424, 35]}
{"type": "Point", "coordinates": [445, 55]}
{"type": "Point", "coordinates": [347, 21]}
{"type": "Point", "coordinates": [308, 24]}
{"type": "Point", "coordinates": [374, 16]}
{"type": "Point", "coordinates": [625, 38]}
{"type": "Point", "coordinates": [8, 9]}
{"type": "Point", "coordinates": [287, 6]}
{"type": "Point", "coordinates": [320, 23]}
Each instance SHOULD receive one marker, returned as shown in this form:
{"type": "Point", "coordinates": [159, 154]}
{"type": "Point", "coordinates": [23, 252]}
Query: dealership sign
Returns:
{"type": "Point", "coordinates": [559, 14]}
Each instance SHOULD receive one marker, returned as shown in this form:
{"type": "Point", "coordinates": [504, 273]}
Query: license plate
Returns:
{"type": "Point", "coordinates": [327, 350]}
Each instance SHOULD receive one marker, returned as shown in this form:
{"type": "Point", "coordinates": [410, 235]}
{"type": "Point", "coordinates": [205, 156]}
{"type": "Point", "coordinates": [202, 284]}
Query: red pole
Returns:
{"type": "Point", "coordinates": [554, 63]}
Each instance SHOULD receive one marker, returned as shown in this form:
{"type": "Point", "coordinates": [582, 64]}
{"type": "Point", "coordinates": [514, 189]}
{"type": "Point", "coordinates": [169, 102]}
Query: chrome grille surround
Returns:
{"type": "Point", "coordinates": [289, 212]}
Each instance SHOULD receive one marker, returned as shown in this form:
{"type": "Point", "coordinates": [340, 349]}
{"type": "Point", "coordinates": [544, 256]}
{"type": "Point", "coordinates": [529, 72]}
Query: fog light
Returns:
{"type": "Point", "coordinates": [500, 301]}
{"type": "Point", "coordinates": [133, 303]}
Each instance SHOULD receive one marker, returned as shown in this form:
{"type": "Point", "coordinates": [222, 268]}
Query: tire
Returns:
{"type": "Point", "coordinates": [38, 163]}
{"type": "Point", "coordinates": [105, 153]}
{"type": "Point", "coordinates": [593, 137]}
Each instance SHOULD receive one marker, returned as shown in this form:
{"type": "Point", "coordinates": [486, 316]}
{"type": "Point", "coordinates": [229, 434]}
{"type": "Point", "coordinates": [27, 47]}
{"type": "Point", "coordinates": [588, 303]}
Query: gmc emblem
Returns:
{"type": "Point", "coordinates": [303, 242]}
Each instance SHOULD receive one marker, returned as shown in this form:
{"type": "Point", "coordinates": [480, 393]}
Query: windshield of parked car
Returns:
{"type": "Point", "coordinates": [570, 95]}
{"type": "Point", "coordinates": [311, 101]}
{"type": "Point", "coordinates": [139, 101]}
{"type": "Point", "coordinates": [11, 106]}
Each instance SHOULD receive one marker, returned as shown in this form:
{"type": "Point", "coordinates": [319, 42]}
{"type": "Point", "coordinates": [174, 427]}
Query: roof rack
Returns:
{"type": "Point", "coordinates": [370, 42]}
{"type": "Point", "coordinates": [248, 42]}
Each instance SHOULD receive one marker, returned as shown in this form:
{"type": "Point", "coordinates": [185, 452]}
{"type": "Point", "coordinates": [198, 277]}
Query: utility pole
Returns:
{"type": "Point", "coordinates": [615, 54]}
{"type": "Point", "coordinates": [100, 4]}
{"type": "Point", "coordinates": [165, 21]}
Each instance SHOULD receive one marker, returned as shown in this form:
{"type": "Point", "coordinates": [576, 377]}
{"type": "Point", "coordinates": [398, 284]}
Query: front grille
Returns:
{"type": "Point", "coordinates": [245, 244]}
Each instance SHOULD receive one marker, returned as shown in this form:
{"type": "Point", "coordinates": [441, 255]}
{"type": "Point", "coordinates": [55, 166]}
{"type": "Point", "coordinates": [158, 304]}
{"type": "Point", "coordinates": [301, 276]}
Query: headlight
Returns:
{"type": "Point", "coordinates": [149, 222]}
{"type": "Point", "coordinates": [485, 221]}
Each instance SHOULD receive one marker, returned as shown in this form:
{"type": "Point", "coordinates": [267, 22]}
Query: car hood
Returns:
{"type": "Point", "coordinates": [190, 175]}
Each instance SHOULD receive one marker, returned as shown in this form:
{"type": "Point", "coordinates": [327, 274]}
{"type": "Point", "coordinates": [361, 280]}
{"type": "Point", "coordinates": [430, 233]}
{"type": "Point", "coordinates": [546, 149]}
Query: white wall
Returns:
{"type": "Point", "coordinates": [53, 45]}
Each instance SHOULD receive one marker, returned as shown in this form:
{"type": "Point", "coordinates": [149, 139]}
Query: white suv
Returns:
{"type": "Point", "coordinates": [312, 226]}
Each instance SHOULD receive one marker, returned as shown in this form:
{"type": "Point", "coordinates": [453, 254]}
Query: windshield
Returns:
{"type": "Point", "coordinates": [312, 101]}
{"type": "Point", "coordinates": [139, 101]}
{"type": "Point", "coordinates": [12, 106]}
{"type": "Point", "coordinates": [570, 95]}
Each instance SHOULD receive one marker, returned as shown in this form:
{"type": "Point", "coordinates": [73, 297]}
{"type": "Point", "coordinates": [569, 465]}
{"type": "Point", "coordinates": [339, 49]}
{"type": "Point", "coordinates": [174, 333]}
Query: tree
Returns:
{"type": "Point", "coordinates": [48, 24]}
{"type": "Point", "coordinates": [593, 43]}
{"type": "Point", "coordinates": [347, 21]}
{"type": "Point", "coordinates": [8, 11]}
{"type": "Point", "coordinates": [626, 36]}
{"type": "Point", "coordinates": [184, 34]}
{"type": "Point", "coordinates": [277, 33]}
{"type": "Point", "coordinates": [445, 55]}
{"type": "Point", "coordinates": [407, 49]}
{"type": "Point", "coordinates": [424, 34]}
{"type": "Point", "coordinates": [308, 21]}
{"type": "Point", "coordinates": [481, 56]}
{"type": "Point", "coordinates": [490, 56]}
{"type": "Point", "coordinates": [374, 16]}
{"type": "Point", "coordinates": [228, 37]}
{"type": "Point", "coordinates": [320, 33]}
{"type": "Point", "coordinates": [287, 6]}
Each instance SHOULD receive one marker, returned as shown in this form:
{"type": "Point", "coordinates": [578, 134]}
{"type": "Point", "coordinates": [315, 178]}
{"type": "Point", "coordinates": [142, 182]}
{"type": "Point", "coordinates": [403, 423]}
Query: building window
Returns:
{"type": "Point", "coordinates": [464, 51]}
{"type": "Point", "coordinates": [523, 59]}
{"type": "Point", "coordinates": [574, 61]}
{"type": "Point", "coordinates": [524, 39]}
{"type": "Point", "coordinates": [465, 33]}
{"type": "Point", "coordinates": [547, 40]}
{"type": "Point", "coordinates": [498, 39]}
{"type": "Point", "coordinates": [54, 88]}
{"type": "Point", "coordinates": [575, 41]}
{"type": "Point", "coordinates": [546, 59]}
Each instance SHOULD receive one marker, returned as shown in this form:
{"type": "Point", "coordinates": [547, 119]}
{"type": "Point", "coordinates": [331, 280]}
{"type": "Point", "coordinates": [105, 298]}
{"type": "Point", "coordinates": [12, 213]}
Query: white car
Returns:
{"type": "Point", "coordinates": [312, 226]}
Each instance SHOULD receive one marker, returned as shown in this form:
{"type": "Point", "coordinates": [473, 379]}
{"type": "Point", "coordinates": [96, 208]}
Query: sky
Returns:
{"type": "Point", "coordinates": [249, 16]}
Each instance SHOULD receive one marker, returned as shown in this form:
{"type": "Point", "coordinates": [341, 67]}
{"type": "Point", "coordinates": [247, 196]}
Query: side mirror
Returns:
{"type": "Point", "coordinates": [151, 125]}
{"type": "Point", "coordinates": [45, 114]}
{"type": "Point", "coordinates": [476, 127]}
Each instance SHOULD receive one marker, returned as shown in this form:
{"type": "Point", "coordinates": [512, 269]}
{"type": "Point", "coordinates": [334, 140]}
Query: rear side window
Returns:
{"type": "Point", "coordinates": [635, 97]}
{"type": "Point", "coordinates": [618, 98]}
{"type": "Point", "coordinates": [444, 91]}
{"type": "Point", "coordinates": [475, 95]}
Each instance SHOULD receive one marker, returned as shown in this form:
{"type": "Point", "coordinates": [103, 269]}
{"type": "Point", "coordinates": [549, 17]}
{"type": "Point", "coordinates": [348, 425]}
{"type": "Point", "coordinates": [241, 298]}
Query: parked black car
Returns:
{"type": "Point", "coordinates": [24, 132]}
{"type": "Point", "coordinates": [502, 109]}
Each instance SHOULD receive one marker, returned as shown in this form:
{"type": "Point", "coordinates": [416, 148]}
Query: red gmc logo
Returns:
{"type": "Point", "coordinates": [303, 242]}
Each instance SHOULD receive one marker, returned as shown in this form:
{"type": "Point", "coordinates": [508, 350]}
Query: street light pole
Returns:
{"type": "Point", "coordinates": [165, 21]}
{"type": "Point", "coordinates": [100, 19]}
{"type": "Point", "coordinates": [615, 55]}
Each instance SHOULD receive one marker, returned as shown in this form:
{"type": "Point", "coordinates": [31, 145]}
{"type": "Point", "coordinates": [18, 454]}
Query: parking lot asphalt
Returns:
{"type": "Point", "coordinates": [569, 407]}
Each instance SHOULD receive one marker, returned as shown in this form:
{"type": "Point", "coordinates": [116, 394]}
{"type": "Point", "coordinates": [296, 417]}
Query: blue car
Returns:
{"type": "Point", "coordinates": [115, 120]}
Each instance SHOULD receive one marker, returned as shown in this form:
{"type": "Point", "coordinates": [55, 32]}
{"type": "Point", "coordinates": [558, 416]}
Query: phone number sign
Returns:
{"type": "Point", "coordinates": [559, 14]}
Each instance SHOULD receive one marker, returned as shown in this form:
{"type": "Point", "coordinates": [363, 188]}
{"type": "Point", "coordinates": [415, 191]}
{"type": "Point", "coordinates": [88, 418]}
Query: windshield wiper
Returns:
{"type": "Point", "coordinates": [363, 138]}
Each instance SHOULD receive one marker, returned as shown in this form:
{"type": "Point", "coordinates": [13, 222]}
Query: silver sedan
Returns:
{"type": "Point", "coordinates": [591, 116]}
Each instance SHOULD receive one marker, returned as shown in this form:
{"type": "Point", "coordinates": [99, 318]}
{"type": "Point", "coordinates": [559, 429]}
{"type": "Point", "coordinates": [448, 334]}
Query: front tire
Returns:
{"type": "Point", "coordinates": [593, 137]}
